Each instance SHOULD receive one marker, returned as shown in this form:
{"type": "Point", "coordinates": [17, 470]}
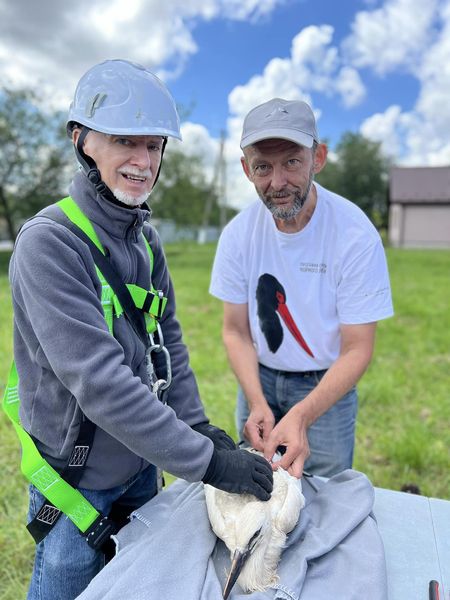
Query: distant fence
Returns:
{"type": "Point", "coordinates": [171, 232]}
{"type": "Point", "coordinates": [168, 230]}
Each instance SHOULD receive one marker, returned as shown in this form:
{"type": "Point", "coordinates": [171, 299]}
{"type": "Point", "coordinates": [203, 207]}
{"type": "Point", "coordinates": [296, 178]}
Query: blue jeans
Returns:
{"type": "Point", "coordinates": [64, 562]}
{"type": "Point", "coordinates": [331, 438]}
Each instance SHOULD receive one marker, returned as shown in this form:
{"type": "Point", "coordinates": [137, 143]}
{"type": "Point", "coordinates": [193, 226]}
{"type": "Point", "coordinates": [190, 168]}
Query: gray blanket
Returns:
{"type": "Point", "coordinates": [169, 552]}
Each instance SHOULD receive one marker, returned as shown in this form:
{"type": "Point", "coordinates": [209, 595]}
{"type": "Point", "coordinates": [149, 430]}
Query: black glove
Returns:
{"type": "Point", "coordinates": [240, 472]}
{"type": "Point", "coordinates": [219, 437]}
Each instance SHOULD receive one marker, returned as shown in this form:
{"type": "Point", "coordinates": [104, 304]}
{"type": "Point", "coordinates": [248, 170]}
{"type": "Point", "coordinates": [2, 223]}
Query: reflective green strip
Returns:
{"type": "Point", "coordinates": [156, 309]}
{"type": "Point", "coordinates": [37, 470]}
{"type": "Point", "coordinates": [109, 300]}
{"type": "Point", "coordinates": [74, 213]}
{"type": "Point", "coordinates": [150, 253]}
{"type": "Point", "coordinates": [139, 296]}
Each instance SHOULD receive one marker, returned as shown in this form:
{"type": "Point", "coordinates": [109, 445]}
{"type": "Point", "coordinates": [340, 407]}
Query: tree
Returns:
{"type": "Point", "coordinates": [183, 192]}
{"type": "Point", "coordinates": [359, 173]}
{"type": "Point", "coordinates": [34, 156]}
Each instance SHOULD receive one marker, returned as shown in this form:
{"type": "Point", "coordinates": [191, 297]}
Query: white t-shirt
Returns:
{"type": "Point", "coordinates": [300, 287]}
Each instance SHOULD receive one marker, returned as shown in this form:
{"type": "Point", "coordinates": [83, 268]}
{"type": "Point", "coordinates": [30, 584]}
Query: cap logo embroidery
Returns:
{"type": "Point", "coordinates": [279, 111]}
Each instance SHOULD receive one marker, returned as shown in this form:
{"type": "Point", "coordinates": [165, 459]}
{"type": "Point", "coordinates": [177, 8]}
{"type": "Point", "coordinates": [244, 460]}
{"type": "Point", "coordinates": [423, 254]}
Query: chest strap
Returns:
{"type": "Point", "coordinates": [150, 303]}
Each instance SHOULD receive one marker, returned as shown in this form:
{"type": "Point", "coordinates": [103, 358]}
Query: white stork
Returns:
{"type": "Point", "coordinates": [255, 531]}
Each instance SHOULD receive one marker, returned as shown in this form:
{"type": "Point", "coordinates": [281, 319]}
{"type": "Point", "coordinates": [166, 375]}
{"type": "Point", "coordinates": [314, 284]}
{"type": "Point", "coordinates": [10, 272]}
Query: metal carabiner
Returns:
{"type": "Point", "coordinates": [160, 343]}
{"type": "Point", "coordinates": [150, 367]}
{"type": "Point", "coordinates": [168, 381]}
{"type": "Point", "coordinates": [160, 384]}
{"type": "Point", "coordinates": [158, 387]}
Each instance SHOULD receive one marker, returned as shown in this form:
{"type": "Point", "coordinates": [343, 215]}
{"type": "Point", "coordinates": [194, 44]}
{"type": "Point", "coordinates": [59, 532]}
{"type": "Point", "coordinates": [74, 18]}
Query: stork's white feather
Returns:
{"type": "Point", "coordinates": [235, 518]}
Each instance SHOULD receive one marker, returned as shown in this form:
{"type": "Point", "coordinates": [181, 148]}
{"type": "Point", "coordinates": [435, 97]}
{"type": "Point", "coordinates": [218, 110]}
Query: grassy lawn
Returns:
{"type": "Point", "coordinates": [403, 433]}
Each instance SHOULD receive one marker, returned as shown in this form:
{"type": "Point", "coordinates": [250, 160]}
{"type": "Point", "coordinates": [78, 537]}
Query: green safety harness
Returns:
{"type": "Point", "coordinates": [143, 308]}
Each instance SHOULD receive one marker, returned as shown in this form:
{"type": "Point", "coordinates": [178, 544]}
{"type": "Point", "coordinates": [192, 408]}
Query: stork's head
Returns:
{"type": "Point", "coordinates": [255, 531]}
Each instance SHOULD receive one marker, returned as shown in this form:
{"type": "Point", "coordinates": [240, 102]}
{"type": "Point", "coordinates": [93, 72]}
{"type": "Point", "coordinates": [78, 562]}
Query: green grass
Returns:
{"type": "Point", "coordinates": [403, 433]}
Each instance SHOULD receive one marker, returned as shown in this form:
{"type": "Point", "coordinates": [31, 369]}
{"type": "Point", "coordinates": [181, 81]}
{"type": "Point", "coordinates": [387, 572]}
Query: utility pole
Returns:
{"type": "Point", "coordinates": [218, 189]}
{"type": "Point", "coordinates": [222, 182]}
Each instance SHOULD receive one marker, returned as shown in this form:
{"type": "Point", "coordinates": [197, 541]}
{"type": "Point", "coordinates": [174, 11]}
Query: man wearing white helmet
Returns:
{"type": "Point", "coordinates": [98, 406]}
{"type": "Point", "coordinates": [303, 277]}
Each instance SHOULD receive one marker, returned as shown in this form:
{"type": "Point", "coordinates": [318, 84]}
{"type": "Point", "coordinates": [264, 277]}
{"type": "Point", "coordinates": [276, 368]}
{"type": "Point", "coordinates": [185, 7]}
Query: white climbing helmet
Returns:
{"type": "Point", "coordinates": [122, 97]}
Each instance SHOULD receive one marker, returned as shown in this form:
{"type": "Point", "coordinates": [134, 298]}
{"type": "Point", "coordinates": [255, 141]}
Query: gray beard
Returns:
{"type": "Point", "coordinates": [287, 214]}
{"type": "Point", "coordinates": [130, 200]}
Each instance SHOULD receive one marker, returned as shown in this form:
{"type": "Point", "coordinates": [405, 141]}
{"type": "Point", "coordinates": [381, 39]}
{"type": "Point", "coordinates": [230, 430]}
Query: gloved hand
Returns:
{"type": "Point", "coordinates": [240, 472]}
{"type": "Point", "coordinates": [219, 437]}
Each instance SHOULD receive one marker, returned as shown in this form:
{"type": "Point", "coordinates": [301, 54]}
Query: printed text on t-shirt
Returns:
{"type": "Point", "coordinates": [313, 267]}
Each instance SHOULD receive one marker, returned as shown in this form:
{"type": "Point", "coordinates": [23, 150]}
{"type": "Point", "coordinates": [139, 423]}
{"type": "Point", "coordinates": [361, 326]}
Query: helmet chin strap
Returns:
{"type": "Point", "coordinates": [90, 168]}
{"type": "Point", "coordinates": [92, 172]}
{"type": "Point", "coordinates": [160, 162]}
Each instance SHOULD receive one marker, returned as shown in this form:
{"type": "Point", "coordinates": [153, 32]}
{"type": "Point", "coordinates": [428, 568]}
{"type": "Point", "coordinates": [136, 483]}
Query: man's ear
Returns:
{"type": "Point", "coordinates": [320, 157]}
{"type": "Point", "coordinates": [75, 135]}
{"type": "Point", "coordinates": [245, 167]}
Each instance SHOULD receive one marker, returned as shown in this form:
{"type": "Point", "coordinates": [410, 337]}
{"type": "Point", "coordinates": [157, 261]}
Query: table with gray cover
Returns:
{"type": "Point", "coordinates": [351, 542]}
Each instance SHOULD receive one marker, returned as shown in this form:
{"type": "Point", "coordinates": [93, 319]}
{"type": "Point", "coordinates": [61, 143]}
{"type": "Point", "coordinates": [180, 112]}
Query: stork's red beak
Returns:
{"type": "Point", "coordinates": [284, 313]}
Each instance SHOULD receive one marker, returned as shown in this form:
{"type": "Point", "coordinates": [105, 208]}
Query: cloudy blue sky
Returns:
{"type": "Point", "coordinates": [379, 67]}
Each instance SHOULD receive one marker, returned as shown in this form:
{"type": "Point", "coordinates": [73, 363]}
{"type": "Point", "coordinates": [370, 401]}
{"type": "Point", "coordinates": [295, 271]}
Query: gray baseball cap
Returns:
{"type": "Point", "coordinates": [291, 120]}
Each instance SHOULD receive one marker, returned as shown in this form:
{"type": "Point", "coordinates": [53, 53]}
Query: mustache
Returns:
{"type": "Point", "coordinates": [282, 194]}
{"type": "Point", "coordinates": [135, 171]}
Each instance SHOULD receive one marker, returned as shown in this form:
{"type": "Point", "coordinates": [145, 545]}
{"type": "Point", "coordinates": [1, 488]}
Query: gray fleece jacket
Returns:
{"type": "Point", "coordinates": [69, 363]}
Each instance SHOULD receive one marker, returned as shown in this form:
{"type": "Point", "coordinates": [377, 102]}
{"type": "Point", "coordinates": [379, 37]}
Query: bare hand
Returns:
{"type": "Point", "coordinates": [291, 433]}
{"type": "Point", "coordinates": [258, 427]}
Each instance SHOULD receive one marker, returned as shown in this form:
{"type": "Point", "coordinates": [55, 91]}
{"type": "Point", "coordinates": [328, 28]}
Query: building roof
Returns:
{"type": "Point", "coordinates": [419, 185]}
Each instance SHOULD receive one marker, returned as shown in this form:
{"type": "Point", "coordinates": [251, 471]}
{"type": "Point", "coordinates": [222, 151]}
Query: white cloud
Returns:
{"type": "Point", "coordinates": [50, 44]}
{"type": "Point", "coordinates": [53, 43]}
{"type": "Point", "coordinates": [197, 141]}
{"type": "Point", "coordinates": [248, 9]}
{"type": "Point", "coordinates": [277, 80]}
{"type": "Point", "coordinates": [434, 74]}
{"type": "Point", "coordinates": [421, 136]}
{"type": "Point", "coordinates": [385, 128]}
{"type": "Point", "coordinates": [393, 35]}
{"type": "Point", "coordinates": [314, 66]}
{"type": "Point", "coordinates": [350, 87]}
{"type": "Point", "coordinates": [310, 46]}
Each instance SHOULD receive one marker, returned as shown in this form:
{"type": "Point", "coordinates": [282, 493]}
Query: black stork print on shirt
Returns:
{"type": "Point", "coordinates": [271, 301]}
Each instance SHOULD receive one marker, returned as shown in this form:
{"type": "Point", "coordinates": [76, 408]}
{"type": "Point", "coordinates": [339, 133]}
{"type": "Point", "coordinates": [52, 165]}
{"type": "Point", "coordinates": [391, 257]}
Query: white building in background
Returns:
{"type": "Point", "coordinates": [419, 207]}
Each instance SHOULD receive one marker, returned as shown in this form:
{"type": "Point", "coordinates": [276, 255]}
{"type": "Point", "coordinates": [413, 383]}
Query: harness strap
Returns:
{"type": "Point", "coordinates": [36, 469]}
{"type": "Point", "coordinates": [121, 290]}
{"type": "Point", "coordinates": [48, 514]}
{"type": "Point", "coordinates": [123, 298]}
{"type": "Point", "coordinates": [58, 489]}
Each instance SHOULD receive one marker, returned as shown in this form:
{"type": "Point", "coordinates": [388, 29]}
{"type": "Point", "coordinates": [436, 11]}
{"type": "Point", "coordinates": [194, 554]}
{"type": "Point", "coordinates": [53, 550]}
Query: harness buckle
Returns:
{"type": "Point", "coordinates": [160, 295]}
{"type": "Point", "coordinates": [148, 303]}
{"type": "Point", "coordinates": [100, 531]}
{"type": "Point", "coordinates": [79, 456]}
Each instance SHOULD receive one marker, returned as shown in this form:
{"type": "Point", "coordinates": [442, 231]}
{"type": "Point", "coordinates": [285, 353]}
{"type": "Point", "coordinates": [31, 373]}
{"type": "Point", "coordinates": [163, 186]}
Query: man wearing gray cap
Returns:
{"type": "Point", "coordinates": [304, 280]}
